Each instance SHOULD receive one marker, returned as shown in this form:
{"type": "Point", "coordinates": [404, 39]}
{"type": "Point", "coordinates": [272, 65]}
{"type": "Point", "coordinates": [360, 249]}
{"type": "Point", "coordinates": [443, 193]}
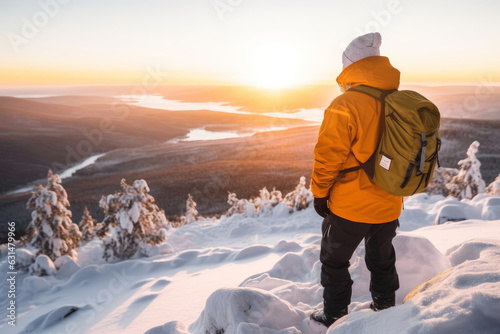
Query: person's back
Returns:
{"type": "Point", "coordinates": [356, 197]}
{"type": "Point", "coordinates": [354, 208]}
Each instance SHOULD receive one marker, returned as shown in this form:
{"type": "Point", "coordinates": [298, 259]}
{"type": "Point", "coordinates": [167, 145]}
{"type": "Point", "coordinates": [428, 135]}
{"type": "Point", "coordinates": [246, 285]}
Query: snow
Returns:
{"type": "Point", "coordinates": [412, 262]}
{"type": "Point", "coordinates": [58, 245]}
{"type": "Point", "coordinates": [125, 222]}
{"type": "Point", "coordinates": [43, 266]}
{"type": "Point", "coordinates": [491, 209]}
{"type": "Point", "coordinates": [246, 310]}
{"type": "Point", "coordinates": [141, 185]}
{"type": "Point", "coordinates": [46, 228]}
{"type": "Point", "coordinates": [452, 234]}
{"type": "Point", "coordinates": [24, 258]}
{"type": "Point", "coordinates": [66, 266]}
{"type": "Point", "coordinates": [35, 284]}
{"type": "Point", "coordinates": [451, 212]}
{"type": "Point", "coordinates": [494, 187]}
{"type": "Point", "coordinates": [259, 273]}
{"type": "Point", "coordinates": [464, 300]}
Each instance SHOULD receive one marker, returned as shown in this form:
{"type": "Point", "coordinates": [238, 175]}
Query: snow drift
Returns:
{"type": "Point", "coordinates": [260, 274]}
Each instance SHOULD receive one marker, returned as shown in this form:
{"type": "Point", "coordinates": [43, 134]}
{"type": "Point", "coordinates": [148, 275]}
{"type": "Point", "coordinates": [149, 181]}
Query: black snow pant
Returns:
{"type": "Point", "coordinates": [340, 239]}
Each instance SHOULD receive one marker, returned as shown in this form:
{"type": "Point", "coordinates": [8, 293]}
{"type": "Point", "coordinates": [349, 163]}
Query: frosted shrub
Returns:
{"type": "Point", "coordinates": [238, 206]}
{"type": "Point", "coordinates": [51, 230]}
{"type": "Point", "coordinates": [87, 226]}
{"type": "Point", "coordinates": [267, 200]}
{"type": "Point", "coordinates": [132, 221]}
{"type": "Point", "coordinates": [469, 182]}
{"type": "Point", "coordinates": [296, 200]}
{"type": "Point", "coordinates": [494, 187]}
{"type": "Point", "coordinates": [300, 198]}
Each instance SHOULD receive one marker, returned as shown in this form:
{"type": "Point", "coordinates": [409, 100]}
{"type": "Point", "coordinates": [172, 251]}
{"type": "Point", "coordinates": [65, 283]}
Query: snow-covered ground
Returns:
{"type": "Point", "coordinates": [260, 274]}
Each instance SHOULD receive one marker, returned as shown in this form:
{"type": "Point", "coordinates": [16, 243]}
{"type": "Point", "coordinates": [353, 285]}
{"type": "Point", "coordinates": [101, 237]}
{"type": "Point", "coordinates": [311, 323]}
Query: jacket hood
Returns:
{"type": "Point", "coordinates": [374, 71]}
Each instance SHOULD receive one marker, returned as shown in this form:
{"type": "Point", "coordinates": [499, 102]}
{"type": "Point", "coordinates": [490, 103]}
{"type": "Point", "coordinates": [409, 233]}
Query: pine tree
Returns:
{"type": "Point", "coordinates": [191, 212]}
{"type": "Point", "coordinates": [469, 182]}
{"type": "Point", "coordinates": [87, 226]}
{"type": "Point", "coordinates": [53, 233]}
{"type": "Point", "coordinates": [132, 222]}
{"type": "Point", "coordinates": [28, 235]}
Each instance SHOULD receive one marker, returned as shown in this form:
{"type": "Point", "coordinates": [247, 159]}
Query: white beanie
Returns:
{"type": "Point", "coordinates": [362, 47]}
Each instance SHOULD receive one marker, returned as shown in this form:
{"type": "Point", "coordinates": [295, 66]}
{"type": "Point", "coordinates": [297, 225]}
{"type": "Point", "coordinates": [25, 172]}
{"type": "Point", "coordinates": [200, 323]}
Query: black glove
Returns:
{"type": "Point", "coordinates": [321, 206]}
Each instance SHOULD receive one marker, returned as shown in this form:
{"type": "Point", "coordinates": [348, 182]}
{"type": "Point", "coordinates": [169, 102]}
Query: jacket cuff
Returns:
{"type": "Point", "coordinates": [319, 192]}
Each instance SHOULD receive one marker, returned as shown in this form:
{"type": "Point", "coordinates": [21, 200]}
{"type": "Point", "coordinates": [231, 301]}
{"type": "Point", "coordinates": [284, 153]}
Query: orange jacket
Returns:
{"type": "Point", "coordinates": [351, 124]}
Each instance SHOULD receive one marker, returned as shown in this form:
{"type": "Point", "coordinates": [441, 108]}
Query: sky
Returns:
{"type": "Point", "coordinates": [266, 43]}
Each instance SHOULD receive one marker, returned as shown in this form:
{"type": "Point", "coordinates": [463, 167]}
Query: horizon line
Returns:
{"type": "Point", "coordinates": [413, 83]}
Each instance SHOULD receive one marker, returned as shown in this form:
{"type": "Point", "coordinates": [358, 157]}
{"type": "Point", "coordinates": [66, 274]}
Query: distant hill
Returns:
{"type": "Point", "coordinates": [36, 136]}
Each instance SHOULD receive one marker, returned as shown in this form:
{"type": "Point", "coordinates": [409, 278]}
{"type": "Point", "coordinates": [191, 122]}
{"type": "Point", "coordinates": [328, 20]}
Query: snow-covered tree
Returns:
{"type": "Point", "coordinates": [297, 200]}
{"type": "Point", "coordinates": [191, 215]}
{"type": "Point", "coordinates": [300, 198]}
{"type": "Point", "coordinates": [132, 222]}
{"type": "Point", "coordinates": [239, 206]}
{"type": "Point", "coordinates": [28, 235]}
{"type": "Point", "coordinates": [468, 182]}
{"type": "Point", "coordinates": [442, 176]}
{"type": "Point", "coordinates": [87, 226]}
{"type": "Point", "coordinates": [267, 200]}
{"type": "Point", "coordinates": [53, 233]}
{"type": "Point", "coordinates": [494, 187]}
{"type": "Point", "coordinates": [191, 212]}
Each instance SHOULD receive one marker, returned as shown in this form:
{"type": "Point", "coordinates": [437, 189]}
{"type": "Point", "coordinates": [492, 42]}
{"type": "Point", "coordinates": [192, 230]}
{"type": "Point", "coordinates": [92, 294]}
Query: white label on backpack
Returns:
{"type": "Point", "coordinates": [385, 162]}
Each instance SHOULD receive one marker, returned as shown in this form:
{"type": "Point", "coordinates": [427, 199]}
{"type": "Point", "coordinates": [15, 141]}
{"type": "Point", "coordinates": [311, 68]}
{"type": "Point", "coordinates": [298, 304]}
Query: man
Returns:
{"type": "Point", "coordinates": [353, 207]}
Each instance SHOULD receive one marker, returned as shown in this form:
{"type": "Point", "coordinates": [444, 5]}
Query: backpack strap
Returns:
{"type": "Point", "coordinates": [379, 95]}
{"type": "Point", "coordinates": [376, 93]}
{"type": "Point", "coordinates": [438, 140]}
{"type": "Point", "coordinates": [423, 148]}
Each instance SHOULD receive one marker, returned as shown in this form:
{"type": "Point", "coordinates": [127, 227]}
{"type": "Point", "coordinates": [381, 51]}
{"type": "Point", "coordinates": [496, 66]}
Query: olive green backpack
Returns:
{"type": "Point", "coordinates": [404, 161]}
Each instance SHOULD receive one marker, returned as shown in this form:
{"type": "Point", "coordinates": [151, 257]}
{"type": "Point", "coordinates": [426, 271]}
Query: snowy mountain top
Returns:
{"type": "Point", "coordinates": [260, 274]}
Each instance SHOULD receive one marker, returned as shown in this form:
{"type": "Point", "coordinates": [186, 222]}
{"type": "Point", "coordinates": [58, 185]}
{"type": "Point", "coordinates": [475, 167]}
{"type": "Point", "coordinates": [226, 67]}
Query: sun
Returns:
{"type": "Point", "coordinates": [274, 66]}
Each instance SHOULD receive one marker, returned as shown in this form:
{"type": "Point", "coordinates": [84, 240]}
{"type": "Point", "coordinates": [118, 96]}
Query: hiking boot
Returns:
{"type": "Point", "coordinates": [326, 318]}
{"type": "Point", "coordinates": [383, 302]}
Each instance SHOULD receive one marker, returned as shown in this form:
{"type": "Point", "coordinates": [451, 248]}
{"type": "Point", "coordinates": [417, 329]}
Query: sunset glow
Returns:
{"type": "Point", "coordinates": [259, 43]}
{"type": "Point", "coordinates": [275, 66]}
